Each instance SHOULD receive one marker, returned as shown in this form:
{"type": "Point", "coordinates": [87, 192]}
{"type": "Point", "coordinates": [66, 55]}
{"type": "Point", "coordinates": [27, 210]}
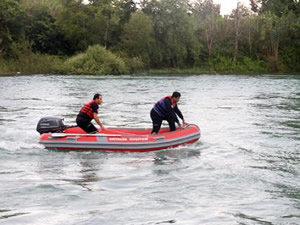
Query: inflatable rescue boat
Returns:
{"type": "Point", "coordinates": [55, 135]}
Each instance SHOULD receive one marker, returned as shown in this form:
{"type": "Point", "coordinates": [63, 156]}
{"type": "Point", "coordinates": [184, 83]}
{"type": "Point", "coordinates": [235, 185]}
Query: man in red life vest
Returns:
{"type": "Point", "coordinates": [89, 112]}
{"type": "Point", "coordinates": [166, 109]}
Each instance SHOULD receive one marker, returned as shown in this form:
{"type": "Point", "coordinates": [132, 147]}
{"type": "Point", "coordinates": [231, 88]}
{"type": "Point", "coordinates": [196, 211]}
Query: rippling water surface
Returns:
{"type": "Point", "coordinates": [244, 170]}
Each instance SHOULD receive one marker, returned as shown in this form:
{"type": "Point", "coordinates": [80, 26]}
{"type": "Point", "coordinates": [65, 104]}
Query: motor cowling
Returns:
{"type": "Point", "coordinates": [50, 124]}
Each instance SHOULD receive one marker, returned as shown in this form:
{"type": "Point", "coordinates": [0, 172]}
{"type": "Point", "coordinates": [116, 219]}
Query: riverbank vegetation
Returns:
{"type": "Point", "coordinates": [126, 36]}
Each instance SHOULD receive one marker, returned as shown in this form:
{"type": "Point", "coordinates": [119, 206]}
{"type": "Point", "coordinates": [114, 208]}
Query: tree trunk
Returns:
{"type": "Point", "coordinates": [276, 49]}
{"type": "Point", "coordinates": [236, 44]}
{"type": "Point", "coordinates": [106, 32]}
{"type": "Point", "coordinates": [209, 41]}
{"type": "Point", "coordinates": [249, 42]}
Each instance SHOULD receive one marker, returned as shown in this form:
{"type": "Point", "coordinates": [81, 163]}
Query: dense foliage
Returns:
{"type": "Point", "coordinates": [149, 34]}
{"type": "Point", "coordinates": [96, 60]}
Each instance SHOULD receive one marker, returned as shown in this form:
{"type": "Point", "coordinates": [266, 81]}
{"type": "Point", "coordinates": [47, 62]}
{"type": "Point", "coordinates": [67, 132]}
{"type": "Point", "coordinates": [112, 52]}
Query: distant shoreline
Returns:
{"type": "Point", "coordinates": [157, 72]}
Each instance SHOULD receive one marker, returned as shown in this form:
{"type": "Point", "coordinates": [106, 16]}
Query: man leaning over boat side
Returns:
{"type": "Point", "coordinates": [89, 112]}
{"type": "Point", "coordinates": [166, 109]}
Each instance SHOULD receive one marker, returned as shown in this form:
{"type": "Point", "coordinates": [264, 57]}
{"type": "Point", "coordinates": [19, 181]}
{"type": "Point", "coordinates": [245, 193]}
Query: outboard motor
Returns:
{"type": "Point", "coordinates": [50, 124]}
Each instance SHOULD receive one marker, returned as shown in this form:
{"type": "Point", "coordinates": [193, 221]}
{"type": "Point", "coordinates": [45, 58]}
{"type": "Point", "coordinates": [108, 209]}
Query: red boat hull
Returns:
{"type": "Point", "coordinates": [120, 139]}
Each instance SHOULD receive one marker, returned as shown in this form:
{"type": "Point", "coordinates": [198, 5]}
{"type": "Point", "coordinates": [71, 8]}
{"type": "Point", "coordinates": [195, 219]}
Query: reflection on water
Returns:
{"type": "Point", "coordinates": [88, 172]}
{"type": "Point", "coordinates": [255, 220]}
{"type": "Point", "coordinates": [169, 157]}
{"type": "Point", "coordinates": [7, 213]}
{"type": "Point", "coordinates": [244, 170]}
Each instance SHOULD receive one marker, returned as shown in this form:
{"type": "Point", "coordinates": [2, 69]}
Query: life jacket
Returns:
{"type": "Point", "coordinates": [87, 109]}
{"type": "Point", "coordinates": [161, 108]}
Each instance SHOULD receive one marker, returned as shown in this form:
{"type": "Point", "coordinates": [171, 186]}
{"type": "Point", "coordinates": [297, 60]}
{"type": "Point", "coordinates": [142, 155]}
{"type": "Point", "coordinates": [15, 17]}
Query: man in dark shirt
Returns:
{"type": "Point", "coordinates": [89, 112]}
{"type": "Point", "coordinates": [166, 109]}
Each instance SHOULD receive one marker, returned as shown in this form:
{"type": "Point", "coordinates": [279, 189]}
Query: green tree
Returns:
{"type": "Point", "coordinates": [277, 7]}
{"type": "Point", "coordinates": [44, 33]}
{"type": "Point", "coordinates": [238, 15]}
{"type": "Point", "coordinates": [109, 16]}
{"type": "Point", "coordinates": [137, 39]}
{"type": "Point", "coordinates": [290, 50]}
{"type": "Point", "coordinates": [208, 16]}
{"type": "Point", "coordinates": [176, 44]}
{"type": "Point", "coordinates": [54, 7]}
{"type": "Point", "coordinates": [279, 32]}
{"type": "Point", "coordinates": [127, 7]}
{"type": "Point", "coordinates": [77, 21]}
{"type": "Point", "coordinates": [12, 17]}
{"type": "Point", "coordinates": [272, 33]}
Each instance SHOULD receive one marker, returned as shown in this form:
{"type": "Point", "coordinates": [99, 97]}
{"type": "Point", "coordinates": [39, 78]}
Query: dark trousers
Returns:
{"type": "Point", "coordinates": [86, 125]}
{"type": "Point", "coordinates": [157, 121]}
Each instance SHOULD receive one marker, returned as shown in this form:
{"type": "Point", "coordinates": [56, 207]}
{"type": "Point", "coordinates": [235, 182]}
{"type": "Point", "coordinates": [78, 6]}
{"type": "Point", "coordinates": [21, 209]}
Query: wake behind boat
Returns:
{"type": "Point", "coordinates": [55, 135]}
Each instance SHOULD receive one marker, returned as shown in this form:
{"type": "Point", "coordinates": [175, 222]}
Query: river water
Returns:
{"type": "Point", "coordinates": [245, 169]}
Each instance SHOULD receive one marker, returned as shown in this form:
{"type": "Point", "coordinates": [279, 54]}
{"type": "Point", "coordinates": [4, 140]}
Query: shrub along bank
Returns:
{"type": "Point", "coordinates": [96, 60]}
{"type": "Point", "coordinates": [99, 61]}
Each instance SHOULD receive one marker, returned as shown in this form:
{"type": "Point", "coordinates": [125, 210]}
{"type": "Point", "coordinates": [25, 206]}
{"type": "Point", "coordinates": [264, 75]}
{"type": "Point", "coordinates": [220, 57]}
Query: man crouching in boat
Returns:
{"type": "Point", "coordinates": [166, 109]}
{"type": "Point", "coordinates": [89, 112]}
